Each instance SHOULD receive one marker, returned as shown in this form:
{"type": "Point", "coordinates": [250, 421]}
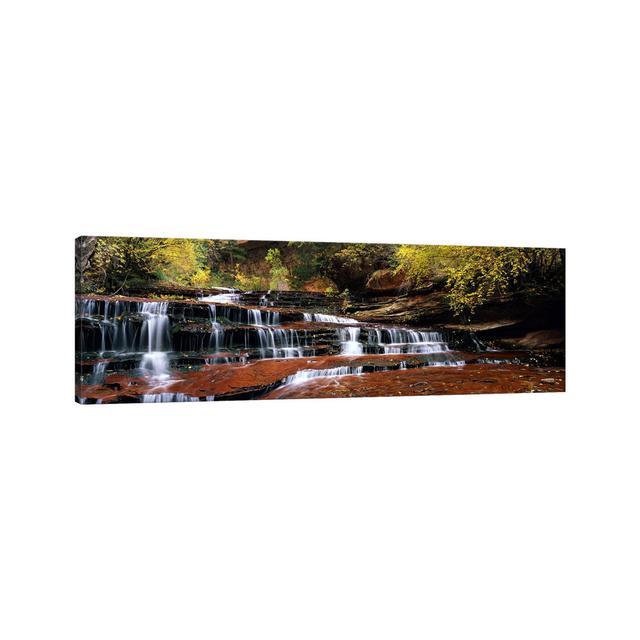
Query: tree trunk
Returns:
{"type": "Point", "coordinates": [85, 247]}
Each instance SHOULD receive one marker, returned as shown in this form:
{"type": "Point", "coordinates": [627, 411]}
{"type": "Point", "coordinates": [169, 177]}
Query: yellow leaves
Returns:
{"type": "Point", "coordinates": [201, 278]}
{"type": "Point", "coordinates": [278, 272]}
{"type": "Point", "coordinates": [474, 274]}
{"type": "Point", "coordinates": [247, 282]}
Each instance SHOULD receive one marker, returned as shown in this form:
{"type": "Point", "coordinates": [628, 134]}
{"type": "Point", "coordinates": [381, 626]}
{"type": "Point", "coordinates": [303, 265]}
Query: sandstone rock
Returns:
{"type": "Point", "coordinates": [319, 285]}
{"type": "Point", "coordinates": [386, 280]}
{"type": "Point", "coordinates": [537, 339]}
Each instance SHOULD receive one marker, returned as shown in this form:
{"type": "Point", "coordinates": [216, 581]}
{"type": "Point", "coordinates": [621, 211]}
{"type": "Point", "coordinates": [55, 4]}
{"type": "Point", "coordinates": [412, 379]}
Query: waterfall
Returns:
{"type": "Point", "coordinates": [216, 336]}
{"type": "Point", "coordinates": [264, 299]}
{"type": "Point", "coordinates": [258, 318]}
{"type": "Point", "coordinates": [217, 332]}
{"type": "Point", "coordinates": [231, 296]}
{"type": "Point", "coordinates": [98, 373]}
{"type": "Point", "coordinates": [168, 397]}
{"type": "Point", "coordinates": [156, 363]}
{"type": "Point", "coordinates": [254, 317]}
{"type": "Point", "coordinates": [324, 317]}
{"type": "Point", "coordinates": [86, 307]}
{"type": "Point", "coordinates": [350, 341]}
{"type": "Point", "coordinates": [243, 315]}
{"type": "Point", "coordinates": [310, 374]}
{"type": "Point", "coordinates": [165, 341]}
{"type": "Point", "coordinates": [447, 363]}
{"type": "Point", "coordinates": [232, 311]}
{"type": "Point", "coordinates": [407, 341]}
{"type": "Point", "coordinates": [155, 328]}
{"type": "Point", "coordinates": [280, 343]}
{"type": "Point", "coordinates": [155, 334]}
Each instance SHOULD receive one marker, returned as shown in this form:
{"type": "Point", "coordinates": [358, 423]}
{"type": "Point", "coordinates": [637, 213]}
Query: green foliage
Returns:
{"type": "Point", "coordinates": [178, 260]}
{"type": "Point", "coordinates": [351, 265]}
{"type": "Point", "coordinates": [247, 282]}
{"type": "Point", "coordinates": [424, 263]}
{"type": "Point", "coordinates": [480, 273]}
{"type": "Point", "coordinates": [223, 279]}
{"type": "Point", "coordinates": [470, 275]}
{"type": "Point", "coordinates": [308, 260]}
{"type": "Point", "coordinates": [222, 255]}
{"type": "Point", "coordinates": [201, 278]}
{"type": "Point", "coordinates": [473, 275]}
{"type": "Point", "coordinates": [278, 271]}
{"type": "Point", "coordinates": [117, 262]}
{"type": "Point", "coordinates": [346, 299]}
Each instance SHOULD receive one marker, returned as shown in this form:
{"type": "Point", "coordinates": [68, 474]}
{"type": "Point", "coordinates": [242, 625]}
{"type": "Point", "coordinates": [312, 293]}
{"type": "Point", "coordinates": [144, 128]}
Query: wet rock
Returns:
{"type": "Point", "coordinates": [471, 379]}
{"type": "Point", "coordinates": [259, 344]}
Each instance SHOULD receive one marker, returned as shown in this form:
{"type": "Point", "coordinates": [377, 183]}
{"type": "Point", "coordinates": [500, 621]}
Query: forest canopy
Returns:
{"type": "Point", "coordinates": [471, 276]}
{"type": "Point", "coordinates": [474, 275]}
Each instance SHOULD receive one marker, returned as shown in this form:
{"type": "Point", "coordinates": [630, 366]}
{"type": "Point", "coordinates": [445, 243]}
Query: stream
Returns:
{"type": "Point", "coordinates": [246, 345]}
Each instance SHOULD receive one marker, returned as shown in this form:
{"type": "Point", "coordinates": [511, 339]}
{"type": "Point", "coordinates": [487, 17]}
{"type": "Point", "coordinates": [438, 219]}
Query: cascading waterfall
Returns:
{"type": "Point", "coordinates": [155, 329]}
{"type": "Point", "coordinates": [446, 363]}
{"type": "Point", "coordinates": [114, 333]}
{"type": "Point", "coordinates": [249, 316]}
{"type": "Point", "coordinates": [168, 397]}
{"type": "Point", "coordinates": [231, 297]}
{"type": "Point", "coordinates": [216, 336]}
{"type": "Point", "coordinates": [350, 341]}
{"type": "Point", "coordinates": [155, 334]}
{"type": "Point", "coordinates": [392, 340]}
{"type": "Point", "coordinates": [324, 317]}
{"type": "Point", "coordinates": [163, 342]}
{"type": "Point", "coordinates": [264, 299]}
{"type": "Point", "coordinates": [309, 374]}
{"type": "Point", "coordinates": [148, 335]}
{"type": "Point", "coordinates": [259, 318]}
{"type": "Point", "coordinates": [99, 371]}
{"type": "Point", "coordinates": [86, 307]}
{"type": "Point", "coordinates": [280, 343]}
{"type": "Point", "coordinates": [230, 310]}
{"type": "Point", "coordinates": [255, 317]}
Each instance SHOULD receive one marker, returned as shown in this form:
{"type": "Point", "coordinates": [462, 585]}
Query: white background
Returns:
{"type": "Point", "coordinates": [466, 122]}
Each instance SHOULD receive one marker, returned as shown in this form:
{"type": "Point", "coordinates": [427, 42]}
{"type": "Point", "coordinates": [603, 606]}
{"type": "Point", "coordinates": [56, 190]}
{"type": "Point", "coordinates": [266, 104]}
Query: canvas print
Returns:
{"type": "Point", "coordinates": [196, 320]}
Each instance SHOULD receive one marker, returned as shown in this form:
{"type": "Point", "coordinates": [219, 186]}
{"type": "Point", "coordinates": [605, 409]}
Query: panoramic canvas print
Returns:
{"type": "Point", "coordinates": [187, 320]}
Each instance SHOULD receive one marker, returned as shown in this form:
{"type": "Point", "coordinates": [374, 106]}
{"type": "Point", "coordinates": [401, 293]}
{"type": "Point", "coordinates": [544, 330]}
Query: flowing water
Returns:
{"type": "Point", "coordinates": [310, 374]}
{"type": "Point", "coordinates": [147, 350]}
{"type": "Point", "coordinates": [325, 317]}
{"type": "Point", "coordinates": [350, 341]}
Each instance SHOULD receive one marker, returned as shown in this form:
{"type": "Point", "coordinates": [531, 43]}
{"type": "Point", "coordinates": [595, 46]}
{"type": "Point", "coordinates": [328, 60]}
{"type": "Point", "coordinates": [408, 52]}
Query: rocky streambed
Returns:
{"type": "Point", "coordinates": [228, 345]}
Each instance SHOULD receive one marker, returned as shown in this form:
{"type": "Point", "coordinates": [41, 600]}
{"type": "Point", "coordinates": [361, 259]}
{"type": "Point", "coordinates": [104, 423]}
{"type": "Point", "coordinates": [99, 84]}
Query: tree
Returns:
{"type": "Point", "coordinates": [473, 275]}
{"type": "Point", "coordinates": [85, 248]}
{"type": "Point", "coordinates": [278, 272]}
{"type": "Point", "coordinates": [480, 273]}
{"type": "Point", "coordinates": [351, 265]}
{"type": "Point", "coordinates": [223, 255]}
{"type": "Point", "coordinates": [118, 262]}
{"type": "Point", "coordinates": [177, 260]}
